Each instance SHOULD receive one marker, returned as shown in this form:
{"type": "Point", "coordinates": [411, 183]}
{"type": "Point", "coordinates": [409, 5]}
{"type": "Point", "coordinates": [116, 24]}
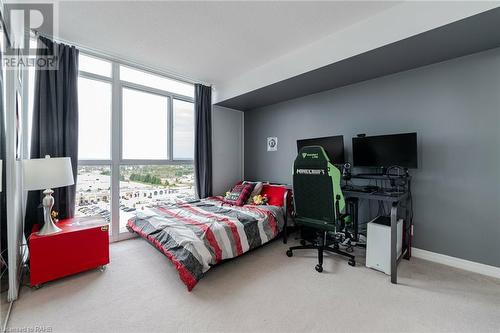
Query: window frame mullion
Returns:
{"type": "Point", "coordinates": [116, 144]}
{"type": "Point", "coordinates": [170, 124]}
{"type": "Point", "coordinates": [94, 162]}
{"type": "Point", "coordinates": [155, 162]}
{"type": "Point", "coordinates": [92, 76]}
{"type": "Point", "coordinates": [156, 91]}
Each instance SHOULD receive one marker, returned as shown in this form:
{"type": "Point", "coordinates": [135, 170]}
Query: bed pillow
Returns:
{"type": "Point", "coordinates": [239, 194]}
{"type": "Point", "coordinates": [256, 190]}
{"type": "Point", "coordinates": [275, 194]}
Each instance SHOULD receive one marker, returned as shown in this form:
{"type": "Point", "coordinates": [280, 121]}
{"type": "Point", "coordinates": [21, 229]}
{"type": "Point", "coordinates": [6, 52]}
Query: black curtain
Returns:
{"type": "Point", "coordinates": [55, 124]}
{"type": "Point", "coordinates": [203, 140]}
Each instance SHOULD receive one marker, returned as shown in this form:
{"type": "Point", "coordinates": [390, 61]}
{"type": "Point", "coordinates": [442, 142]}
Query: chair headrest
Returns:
{"type": "Point", "coordinates": [315, 153]}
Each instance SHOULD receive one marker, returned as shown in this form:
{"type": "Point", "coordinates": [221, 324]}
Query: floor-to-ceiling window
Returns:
{"type": "Point", "coordinates": [157, 146]}
{"type": "Point", "coordinates": [95, 108]}
{"type": "Point", "coordinates": [136, 140]}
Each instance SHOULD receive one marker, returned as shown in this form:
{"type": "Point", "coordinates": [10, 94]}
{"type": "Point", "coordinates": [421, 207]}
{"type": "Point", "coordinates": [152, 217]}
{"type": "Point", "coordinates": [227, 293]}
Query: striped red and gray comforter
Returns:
{"type": "Point", "coordinates": [196, 236]}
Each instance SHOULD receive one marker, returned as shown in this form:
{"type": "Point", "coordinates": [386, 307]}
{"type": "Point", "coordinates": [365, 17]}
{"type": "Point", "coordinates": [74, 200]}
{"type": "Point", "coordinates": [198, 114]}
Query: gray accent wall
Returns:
{"type": "Point", "coordinates": [454, 106]}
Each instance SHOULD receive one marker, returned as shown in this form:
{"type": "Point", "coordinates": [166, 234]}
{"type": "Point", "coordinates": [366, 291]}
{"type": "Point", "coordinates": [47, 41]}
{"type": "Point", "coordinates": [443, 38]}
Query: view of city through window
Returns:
{"type": "Point", "coordinates": [93, 191]}
{"type": "Point", "coordinates": [141, 186]}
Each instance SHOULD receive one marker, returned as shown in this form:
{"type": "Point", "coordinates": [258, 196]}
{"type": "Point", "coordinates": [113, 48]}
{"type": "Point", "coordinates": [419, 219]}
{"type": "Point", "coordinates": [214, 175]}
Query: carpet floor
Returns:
{"type": "Point", "coordinates": [263, 291]}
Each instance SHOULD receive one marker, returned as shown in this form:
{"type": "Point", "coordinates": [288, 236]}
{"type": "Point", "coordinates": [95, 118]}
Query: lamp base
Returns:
{"type": "Point", "coordinates": [48, 229]}
{"type": "Point", "coordinates": [49, 226]}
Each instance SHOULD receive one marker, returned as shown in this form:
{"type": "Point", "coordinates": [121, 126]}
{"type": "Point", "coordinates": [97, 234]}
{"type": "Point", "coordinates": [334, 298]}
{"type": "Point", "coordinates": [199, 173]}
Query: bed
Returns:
{"type": "Point", "coordinates": [197, 235]}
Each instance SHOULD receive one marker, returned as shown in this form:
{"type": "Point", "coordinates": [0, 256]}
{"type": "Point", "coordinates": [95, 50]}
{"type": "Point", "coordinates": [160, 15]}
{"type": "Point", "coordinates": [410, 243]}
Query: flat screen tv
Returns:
{"type": "Point", "coordinates": [333, 146]}
{"type": "Point", "coordinates": [385, 150]}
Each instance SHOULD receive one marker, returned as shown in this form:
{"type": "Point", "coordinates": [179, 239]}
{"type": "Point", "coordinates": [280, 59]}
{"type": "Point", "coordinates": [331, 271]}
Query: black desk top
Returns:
{"type": "Point", "coordinates": [379, 196]}
{"type": "Point", "coordinates": [380, 176]}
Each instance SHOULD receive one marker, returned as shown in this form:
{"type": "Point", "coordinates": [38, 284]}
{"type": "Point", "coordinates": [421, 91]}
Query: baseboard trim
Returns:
{"type": "Point", "coordinates": [467, 265]}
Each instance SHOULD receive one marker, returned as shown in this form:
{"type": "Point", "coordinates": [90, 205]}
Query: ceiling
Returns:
{"type": "Point", "coordinates": [211, 42]}
{"type": "Point", "coordinates": [470, 35]}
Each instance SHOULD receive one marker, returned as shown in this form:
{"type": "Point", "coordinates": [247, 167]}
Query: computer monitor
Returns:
{"type": "Point", "coordinates": [333, 146]}
{"type": "Point", "coordinates": [385, 150]}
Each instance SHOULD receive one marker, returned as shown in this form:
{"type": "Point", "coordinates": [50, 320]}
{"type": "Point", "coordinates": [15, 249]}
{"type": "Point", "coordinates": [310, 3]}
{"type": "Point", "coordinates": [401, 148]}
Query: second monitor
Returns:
{"type": "Point", "coordinates": [385, 150]}
{"type": "Point", "coordinates": [333, 146]}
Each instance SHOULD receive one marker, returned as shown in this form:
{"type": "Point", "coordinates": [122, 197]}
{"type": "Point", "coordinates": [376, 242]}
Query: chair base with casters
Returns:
{"type": "Point", "coordinates": [322, 247]}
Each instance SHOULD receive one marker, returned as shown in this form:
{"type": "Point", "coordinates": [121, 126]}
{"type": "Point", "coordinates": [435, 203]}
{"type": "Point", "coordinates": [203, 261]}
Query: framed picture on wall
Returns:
{"type": "Point", "coordinates": [272, 143]}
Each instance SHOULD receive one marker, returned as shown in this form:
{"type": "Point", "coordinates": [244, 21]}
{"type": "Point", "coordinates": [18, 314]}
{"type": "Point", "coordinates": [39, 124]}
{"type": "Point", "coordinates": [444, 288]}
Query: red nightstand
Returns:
{"type": "Point", "coordinates": [82, 244]}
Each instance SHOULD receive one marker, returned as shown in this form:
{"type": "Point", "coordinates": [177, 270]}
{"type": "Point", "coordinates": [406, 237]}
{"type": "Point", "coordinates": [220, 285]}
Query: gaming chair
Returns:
{"type": "Point", "coordinates": [318, 201]}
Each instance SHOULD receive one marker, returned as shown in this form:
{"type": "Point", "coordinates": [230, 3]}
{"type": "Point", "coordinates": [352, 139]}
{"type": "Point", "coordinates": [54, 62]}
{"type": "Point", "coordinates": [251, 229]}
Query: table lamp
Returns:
{"type": "Point", "coordinates": [45, 174]}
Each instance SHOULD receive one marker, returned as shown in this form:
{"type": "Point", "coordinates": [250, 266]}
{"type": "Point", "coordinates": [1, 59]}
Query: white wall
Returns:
{"type": "Point", "coordinates": [227, 148]}
{"type": "Point", "coordinates": [396, 23]}
{"type": "Point", "coordinates": [15, 203]}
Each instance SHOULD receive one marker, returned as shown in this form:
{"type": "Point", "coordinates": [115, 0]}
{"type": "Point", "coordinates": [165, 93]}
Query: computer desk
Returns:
{"type": "Point", "coordinates": [396, 202]}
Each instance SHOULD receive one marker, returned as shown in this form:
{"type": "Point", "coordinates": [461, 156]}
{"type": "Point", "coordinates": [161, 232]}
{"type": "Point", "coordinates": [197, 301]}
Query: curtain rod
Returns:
{"type": "Point", "coordinates": [112, 57]}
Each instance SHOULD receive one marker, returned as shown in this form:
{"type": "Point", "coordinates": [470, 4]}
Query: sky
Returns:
{"type": "Point", "coordinates": [144, 121]}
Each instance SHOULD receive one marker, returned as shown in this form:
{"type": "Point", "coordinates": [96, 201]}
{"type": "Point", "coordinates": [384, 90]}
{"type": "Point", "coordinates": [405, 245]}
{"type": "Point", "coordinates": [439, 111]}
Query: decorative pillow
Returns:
{"type": "Point", "coordinates": [256, 190]}
{"type": "Point", "coordinates": [275, 194]}
{"type": "Point", "coordinates": [239, 194]}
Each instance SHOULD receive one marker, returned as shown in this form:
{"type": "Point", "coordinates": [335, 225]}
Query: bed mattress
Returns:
{"type": "Point", "coordinates": [197, 235]}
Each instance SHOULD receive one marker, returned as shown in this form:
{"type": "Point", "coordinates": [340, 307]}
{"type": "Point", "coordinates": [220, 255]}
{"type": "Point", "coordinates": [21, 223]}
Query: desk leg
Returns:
{"type": "Point", "coordinates": [394, 229]}
{"type": "Point", "coordinates": [354, 215]}
{"type": "Point", "coordinates": [407, 231]}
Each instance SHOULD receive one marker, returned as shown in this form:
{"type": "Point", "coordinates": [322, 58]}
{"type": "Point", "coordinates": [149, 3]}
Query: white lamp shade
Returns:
{"type": "Point", "coordinates": [44, 173]}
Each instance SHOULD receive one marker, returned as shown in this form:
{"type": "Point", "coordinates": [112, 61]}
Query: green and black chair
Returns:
{"type": "Point", "coordinates": [318, 202]}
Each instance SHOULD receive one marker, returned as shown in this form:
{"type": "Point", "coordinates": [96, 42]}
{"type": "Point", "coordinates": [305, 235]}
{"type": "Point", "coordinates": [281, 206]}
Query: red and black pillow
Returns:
{"type": "Point", "coordinates": [239, 194]}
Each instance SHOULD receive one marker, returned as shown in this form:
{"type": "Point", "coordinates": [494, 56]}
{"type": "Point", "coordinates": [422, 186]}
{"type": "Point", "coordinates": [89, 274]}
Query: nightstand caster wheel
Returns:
{"type": "Point", "coordinates": [37, 286]}
{"type": "Point", "coordinates": [319, 268]}
{"type": "Point", "coordinates": [352, 262]}
{"type": "Point", "coordinates": [102, 268]}
{"type": "Point", "coordinates": [289, 253]}
{"type": "Point", "coordinates": [302, 242]}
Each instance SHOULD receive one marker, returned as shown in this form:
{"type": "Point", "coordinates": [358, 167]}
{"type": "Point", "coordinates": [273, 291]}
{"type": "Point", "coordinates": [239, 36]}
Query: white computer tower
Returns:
{"type": "Point", "coordinates": [378, 243]}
